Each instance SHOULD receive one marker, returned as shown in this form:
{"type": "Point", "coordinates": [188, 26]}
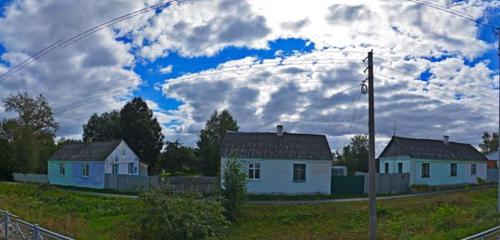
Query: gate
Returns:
{"type": "Point", "coordinates": [347, 184]}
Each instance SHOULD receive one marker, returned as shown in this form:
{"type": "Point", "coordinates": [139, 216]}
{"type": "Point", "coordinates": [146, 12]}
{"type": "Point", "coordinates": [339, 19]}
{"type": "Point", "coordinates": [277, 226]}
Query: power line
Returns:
{"type": "Point", "coordinates": [77, 37]}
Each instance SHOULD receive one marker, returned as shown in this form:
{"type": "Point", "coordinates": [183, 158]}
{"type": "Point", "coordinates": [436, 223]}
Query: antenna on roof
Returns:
{"type": "Point", "coordinates": [395, 128]}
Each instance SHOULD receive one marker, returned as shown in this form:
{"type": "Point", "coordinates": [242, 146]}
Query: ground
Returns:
{"type": "Point", "coordinates": [447, 216]}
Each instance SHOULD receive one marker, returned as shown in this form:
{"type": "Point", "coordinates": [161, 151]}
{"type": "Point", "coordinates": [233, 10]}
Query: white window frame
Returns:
{"type": "Point", "coordinates": [85, 170]}
{"type": "Point", "coordinates": [130, 168]}
{"type": "Point", "coordinates": [305, 172]}
{"type": "Point", "coordinates": [113, 168]}
{"type": "Point", "coordinates": [473, 169]}
{"type": "Point", "coordinates": [253, 171]}
{"type": "Point", "coordinates": [62, 169]}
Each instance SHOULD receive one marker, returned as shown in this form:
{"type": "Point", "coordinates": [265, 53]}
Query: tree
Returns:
{"type": "Point", "coordinates": [177, 158]}
{"type": "Point", "coordinates": [211, 138]}
{"type": "Point", "coordinates": [142, 132]}
{"type": "Point", "coordinates": [233, 188]}
{"type": "Point", "coordinates": [31, 133]}
{"type": "Point", "coordinates": [490, 142]}
{"type": "Point", "coordinates": [102, 127]}
{"type": "Point", "coordinates": [355, 155]}
{"type": "Point", "coordinates": [6, 164]}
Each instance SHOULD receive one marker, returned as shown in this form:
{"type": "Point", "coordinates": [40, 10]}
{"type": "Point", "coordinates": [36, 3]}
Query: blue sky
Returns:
{"type": "Point", "coordinates": [287, 63]}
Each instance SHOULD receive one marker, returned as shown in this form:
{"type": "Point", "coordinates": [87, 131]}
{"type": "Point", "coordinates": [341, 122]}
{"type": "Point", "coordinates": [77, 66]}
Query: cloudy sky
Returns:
{"type": "Point", "coordinates": [299, 64]}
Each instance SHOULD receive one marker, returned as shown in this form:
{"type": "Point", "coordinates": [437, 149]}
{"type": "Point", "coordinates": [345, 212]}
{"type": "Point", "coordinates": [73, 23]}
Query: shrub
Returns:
{"type": "Point", "coordinates": [481, 181]}
{"type": "Point", "coordinates": [448, 217]}
{"type": "Point", "coordinates": [169, 216]}
{"type": "Point", "coordinates": [233, 188]}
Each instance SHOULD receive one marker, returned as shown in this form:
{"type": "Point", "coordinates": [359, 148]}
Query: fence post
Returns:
{"type": "Point", "coordinates": [6, 226]}
{"type": "Point", "coordinates": [36, 232]}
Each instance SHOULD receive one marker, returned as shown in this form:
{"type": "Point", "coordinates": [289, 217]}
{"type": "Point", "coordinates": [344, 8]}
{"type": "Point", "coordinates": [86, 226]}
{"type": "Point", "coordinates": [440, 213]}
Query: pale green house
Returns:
{"type": "Point", "coordinates": [433, 162]}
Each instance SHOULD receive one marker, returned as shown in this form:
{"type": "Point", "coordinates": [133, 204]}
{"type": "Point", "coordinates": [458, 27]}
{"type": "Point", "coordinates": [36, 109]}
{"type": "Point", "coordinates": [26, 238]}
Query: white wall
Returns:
{"type": "Point", "coordinates": [122, 155]}
{"type": "Point", "coordinates": [276, 176]}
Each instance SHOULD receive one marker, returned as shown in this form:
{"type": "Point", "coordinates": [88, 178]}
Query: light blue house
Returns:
{"type": "Point", "coordinates": [433, 162]}
{"type": "Point", "coordinates": [85, 165]}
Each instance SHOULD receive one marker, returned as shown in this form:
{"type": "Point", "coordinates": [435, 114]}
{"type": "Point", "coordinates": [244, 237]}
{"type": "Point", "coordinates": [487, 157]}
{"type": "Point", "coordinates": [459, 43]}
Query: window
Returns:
{"type": "Point", "coordinates": [62, 171]}
{"type": "Point", "coordinates": [131, 168]}
{"type": "Point", "coordinates": [85, 169]}
{"type": "Point", "coordinates": [254, 170]}
{"type": "Point", "coordinates": [453, 169]}
{"type": "Point", "coordinates": [115, 168]}
{"type": "Point", "coordinates": [123, 151]}
{"type": "Point", "coordinates": [473, 169]}
{"type": "Point", "coordinates": [299, 172]}
{"type": "Point", "coordinates": [386, 167]}
{"type": "Point", "coordinates": [426, 170]}
{"type": "Point", "coordinates": [400, 167]}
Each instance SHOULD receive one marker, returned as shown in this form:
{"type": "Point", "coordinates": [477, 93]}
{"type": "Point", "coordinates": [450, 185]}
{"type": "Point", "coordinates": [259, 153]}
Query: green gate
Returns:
{"type": "Point", "coordinates": [348, 185]}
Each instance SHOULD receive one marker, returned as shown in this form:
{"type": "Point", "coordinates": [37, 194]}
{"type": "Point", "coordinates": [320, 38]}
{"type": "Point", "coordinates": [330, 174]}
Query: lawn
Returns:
{"type": "Point", "coordinates": [447, 216]}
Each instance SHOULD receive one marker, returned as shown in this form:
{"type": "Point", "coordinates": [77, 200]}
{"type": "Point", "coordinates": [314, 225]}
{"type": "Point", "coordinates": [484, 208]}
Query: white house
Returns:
{"type": "Point", "coordinates": [280, 162]}
{"type": "Point", "coordinates": [433, 162]}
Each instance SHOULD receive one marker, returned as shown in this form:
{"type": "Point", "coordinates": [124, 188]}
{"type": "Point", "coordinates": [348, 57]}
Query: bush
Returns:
{"type": "Point", "coordinates": [481, 181]}
{"type": "Point", "coordinates": [169, 216]}
{"type": "Point", "coordinates": [448, 217]}
{"type": "Point", "coordinates": [233, 189]}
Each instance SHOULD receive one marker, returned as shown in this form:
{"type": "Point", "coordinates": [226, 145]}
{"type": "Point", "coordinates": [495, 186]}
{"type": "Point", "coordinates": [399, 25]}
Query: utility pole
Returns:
{"type": "Point", "coordinates": [372, 194]}
{"type": "Point", "coordinates": [498, 160]}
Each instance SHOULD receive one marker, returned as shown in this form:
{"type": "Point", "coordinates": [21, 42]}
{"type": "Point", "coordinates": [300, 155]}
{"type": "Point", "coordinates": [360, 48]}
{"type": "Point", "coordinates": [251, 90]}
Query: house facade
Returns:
{"type": "Point", "coordinates": [85, 165]}
{"type": "Point", "coordinates": [280, 162]}
{"type": "Point", "coordinates": [433, 162]}
{"type": "Point", "coordinates": [492, 159]}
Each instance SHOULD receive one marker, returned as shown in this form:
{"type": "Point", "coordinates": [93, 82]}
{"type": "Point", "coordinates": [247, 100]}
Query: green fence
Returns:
{"type": "Point", "coordinates": [347, 184]}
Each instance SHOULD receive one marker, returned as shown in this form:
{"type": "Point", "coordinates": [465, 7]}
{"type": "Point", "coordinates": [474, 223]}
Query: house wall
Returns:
{"type": "Point", "coordinates": [74, 176]}
{"type": "Point", "coordinates": [276, 176]}
{"type": "Point", "coordinates": [122, 155]}
{"type": "Point", "coordinates": [439, 170]}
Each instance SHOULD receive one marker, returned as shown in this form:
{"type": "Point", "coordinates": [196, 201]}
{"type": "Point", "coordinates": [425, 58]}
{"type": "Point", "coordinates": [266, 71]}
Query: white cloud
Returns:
{"type": "Point", "coordinates": [167, 69]}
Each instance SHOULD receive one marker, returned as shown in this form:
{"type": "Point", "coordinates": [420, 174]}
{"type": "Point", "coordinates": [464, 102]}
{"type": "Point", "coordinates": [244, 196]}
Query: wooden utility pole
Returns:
{"type": "Point", "coordinates": [372, 194]}
{"type": "Point", "coordinates": [498, 160]}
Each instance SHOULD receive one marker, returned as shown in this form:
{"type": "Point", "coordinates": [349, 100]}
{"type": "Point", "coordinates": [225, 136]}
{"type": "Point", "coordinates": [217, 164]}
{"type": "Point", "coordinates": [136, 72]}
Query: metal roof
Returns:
{"type": "Point", "coordinates": [431, 149]}
{"type": "Point", "coordinates": [269, 145]}
{"type": "Point", "coordinates": [97, 151]}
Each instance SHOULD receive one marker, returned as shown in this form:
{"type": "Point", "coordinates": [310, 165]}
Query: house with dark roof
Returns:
{"type": "Point", "coordinates": [492, 159]}
{"type": "Point", "coordinates": [86, 165]}
{"type": "Point", "coordinates": [433, 162]}
{"type": "Point", "coordinates": [280, 162]}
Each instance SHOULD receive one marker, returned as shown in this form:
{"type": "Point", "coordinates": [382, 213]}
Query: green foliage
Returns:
{"type": "Point", "coordinates": [30, 134]}
{"type": "Point", "coordinates": [178, 158]}
{"type": "Point", "coordinates": [447, 217]}
{"type": "Point", "coordinates": [355, 155]}
{"type": "Point", "coordinates": [142, 132]}
{"type": "Point", "coordinates": [166, 216]}
{"type": "Point", "coordinates": [102, 127]}
{"type": "Point", "coordinates": [6, 163]}
{"type": "Point", "coordinates": [490, 142]}
{"type": "Point", "coordinates": [233, 188]}
{"type": "Point", "coordinates": [481, 181]}
{"type": "Point", "coordinates": [211, 138]}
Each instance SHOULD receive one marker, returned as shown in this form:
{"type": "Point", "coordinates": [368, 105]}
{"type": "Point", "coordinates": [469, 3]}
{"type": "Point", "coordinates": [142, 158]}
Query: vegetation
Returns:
{"type": "Point", "coordinates": [355, 155]}
{"type": "Point", "coordinates": [211, 138]}
{"type": "Point", "coordinates": [28, 138]}
{"type": "Point", "coordinates": [170, 216]}
{"type": "Point", "coordinates": [234, 189]}
{"type": "Point", "coordinates": [135, 124]}
{"type": "Point", "coordinates": [177, 158]}
{"type": "Point", "coordinates": [490, 142]}
{"type": "Point", "coordinates": [446, 216]}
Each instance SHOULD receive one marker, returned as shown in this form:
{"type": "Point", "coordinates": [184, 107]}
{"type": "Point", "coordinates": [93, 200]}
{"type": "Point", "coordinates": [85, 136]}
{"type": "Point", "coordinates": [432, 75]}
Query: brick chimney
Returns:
{"type": "Point", "coordinates": [279, 130]}
{"type": "Point", "coordinates": [446, 139]}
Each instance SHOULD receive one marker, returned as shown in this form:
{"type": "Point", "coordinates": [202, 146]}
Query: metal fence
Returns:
{"type": "Point", "coordinates": [390, 183]}
{"type": "Point", "coordinates": [13, 228]}
{"type": "Point", "coordinates": [32, 178]}
{"type": "Point", "coordinates": [493, 233]}
{"type": "Point", "coordinates": [492, 175]}
{"type": "Point", "coordinates": [199, 184]}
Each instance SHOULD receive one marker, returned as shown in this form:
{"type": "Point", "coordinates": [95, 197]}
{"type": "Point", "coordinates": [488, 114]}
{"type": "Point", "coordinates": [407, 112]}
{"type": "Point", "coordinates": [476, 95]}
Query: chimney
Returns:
{"type": "Point", "coordinates": [446, 139]}
{"type": "Point", "coordinates": [279, 130]}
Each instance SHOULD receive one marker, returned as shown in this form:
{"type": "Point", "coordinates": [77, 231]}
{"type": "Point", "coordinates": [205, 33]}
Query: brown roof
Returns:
{"type": "Point", "coordinates": [271, 146]}
{"type": "Point", "coordinates": [431, 149]}
{"type": "Point", "coordinates": [97, 151]}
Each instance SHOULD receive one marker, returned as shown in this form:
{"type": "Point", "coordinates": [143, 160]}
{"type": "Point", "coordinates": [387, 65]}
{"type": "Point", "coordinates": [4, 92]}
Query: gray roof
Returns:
{"type": "Point", "coordinates": [97, 151]}
{"type": "Point", "coordinates": [431, 149]}
{"type": "Point", "coordinates": [271, 146]}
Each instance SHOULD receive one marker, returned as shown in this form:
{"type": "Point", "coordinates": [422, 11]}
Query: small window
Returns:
{"type": "Point", "coordinates": [116, 158]}
{"type": "Point", "coordinates": [115, 168]}
{"type": "Point", "coordinates": [426, 169]}
{"type": "Point", "coordinates": [386, 167]}
{"type": "Point", "coordinates": [130, 168]}
{"type": "Point", "coordinates": [299, 172]}
{"type": "Point", "coordinates": [400, 167]}
{"type": "Point", "coordinates": [85, 169]}
{"type": "Point", "coordinates": [453, 169]}
{"type": "Point", "coordinates": [473, 169]}
{"type": "Point", "coordinates": [62, 171]}
{"type": "Point", "coordinates": [254, 170]}
{"type": "Point", "coordinates": [123, 151]}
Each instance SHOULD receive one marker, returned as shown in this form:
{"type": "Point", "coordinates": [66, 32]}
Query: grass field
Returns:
{"type": "Point", "coordinates": [447, 216]}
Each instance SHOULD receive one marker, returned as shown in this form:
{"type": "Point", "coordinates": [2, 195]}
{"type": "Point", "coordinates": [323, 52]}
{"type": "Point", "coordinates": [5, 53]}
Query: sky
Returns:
{"type": "Point", "coordinates": [298, 64]}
